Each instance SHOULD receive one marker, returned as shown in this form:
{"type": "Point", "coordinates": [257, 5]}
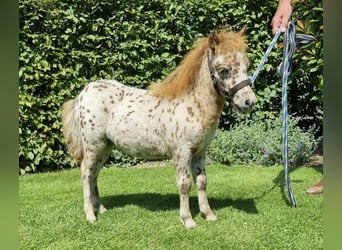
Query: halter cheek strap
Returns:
{"type": "Point", "coordinates": [218, 87]}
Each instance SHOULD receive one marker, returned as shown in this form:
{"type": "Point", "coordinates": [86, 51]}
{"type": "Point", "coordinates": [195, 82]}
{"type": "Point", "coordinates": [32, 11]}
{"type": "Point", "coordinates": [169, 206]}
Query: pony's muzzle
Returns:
{"type": "Point", "coordinates": [244, 100]}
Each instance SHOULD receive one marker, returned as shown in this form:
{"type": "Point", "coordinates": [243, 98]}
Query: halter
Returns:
{"type": "Point", "coordinates": [218, 86]}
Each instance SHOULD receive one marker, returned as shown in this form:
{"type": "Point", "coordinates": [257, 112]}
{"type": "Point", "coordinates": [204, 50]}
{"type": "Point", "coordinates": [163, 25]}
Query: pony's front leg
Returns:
{"type": "Point", "coordinates": [200, 177]}
{"type": "Point", "coordinates": [184, 185]}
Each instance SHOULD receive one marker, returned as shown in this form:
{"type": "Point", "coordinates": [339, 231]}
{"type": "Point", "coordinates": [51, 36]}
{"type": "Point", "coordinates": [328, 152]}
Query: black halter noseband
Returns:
{"type": "Point", "coordinates": [227, 94]}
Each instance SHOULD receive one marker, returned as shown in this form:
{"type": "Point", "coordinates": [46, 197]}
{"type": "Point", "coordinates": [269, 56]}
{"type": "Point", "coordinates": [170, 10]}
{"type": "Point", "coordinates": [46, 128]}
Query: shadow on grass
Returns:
{"type": "Point", "coordinates": [279, 181]}
{"type": "Point", "coordinates": [165, 202]}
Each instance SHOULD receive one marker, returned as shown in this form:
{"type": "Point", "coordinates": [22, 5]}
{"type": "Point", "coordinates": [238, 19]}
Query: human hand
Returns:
{"type": "Point", "coordinates": [281, 16]}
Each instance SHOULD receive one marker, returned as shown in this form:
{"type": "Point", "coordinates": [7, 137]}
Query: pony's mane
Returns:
{"type": "Point", "coordinates": [183, 76]}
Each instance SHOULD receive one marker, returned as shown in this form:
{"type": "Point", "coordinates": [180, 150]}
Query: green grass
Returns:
{"type": "Point", "coordinates": [143, 204]}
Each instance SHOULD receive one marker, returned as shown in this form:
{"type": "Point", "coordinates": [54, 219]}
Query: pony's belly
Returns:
{"type": "Point", "coordinates": [139, 144]}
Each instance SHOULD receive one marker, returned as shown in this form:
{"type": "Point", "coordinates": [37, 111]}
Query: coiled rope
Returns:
{"type": "Point", "coordinates": [290, 40]}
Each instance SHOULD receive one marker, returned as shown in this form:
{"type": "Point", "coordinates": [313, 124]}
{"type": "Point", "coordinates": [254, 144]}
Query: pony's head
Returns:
{"type": "Point", "coordinates": [228, 65]}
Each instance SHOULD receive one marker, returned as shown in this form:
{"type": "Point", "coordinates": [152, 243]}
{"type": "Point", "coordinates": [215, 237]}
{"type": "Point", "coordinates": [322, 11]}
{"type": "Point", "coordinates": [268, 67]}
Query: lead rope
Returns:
{"type": "Point", "coordinates": [284, 71]}
{"type": "Point", "coordinates": [263, 59]}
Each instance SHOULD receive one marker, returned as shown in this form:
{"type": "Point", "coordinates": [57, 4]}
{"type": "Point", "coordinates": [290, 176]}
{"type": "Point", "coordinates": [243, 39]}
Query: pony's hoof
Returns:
{"type": "Point", "coordinates": [188, 223]}
{"type": "Point", "coordinates": [211, 217]}
{"type": "Point", "coordinates": [102, 209]}
{"type": "Point", "coordinates": [91, 218]}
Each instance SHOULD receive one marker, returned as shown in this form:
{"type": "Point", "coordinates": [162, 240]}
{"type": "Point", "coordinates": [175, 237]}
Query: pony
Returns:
{"type": "Point", "coordinates": [174, 118]}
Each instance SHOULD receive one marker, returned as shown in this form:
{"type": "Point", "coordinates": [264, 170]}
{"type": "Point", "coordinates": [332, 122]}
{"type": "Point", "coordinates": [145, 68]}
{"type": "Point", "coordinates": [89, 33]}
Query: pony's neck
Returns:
{"type": "Point", "coordinates": [205, 84]}
{"type": "Point", "coordinates": [204, 94]}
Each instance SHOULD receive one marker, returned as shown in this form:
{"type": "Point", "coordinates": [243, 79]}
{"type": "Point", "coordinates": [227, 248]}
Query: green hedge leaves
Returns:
{"type": "Point", "coordinates": [64, 44]}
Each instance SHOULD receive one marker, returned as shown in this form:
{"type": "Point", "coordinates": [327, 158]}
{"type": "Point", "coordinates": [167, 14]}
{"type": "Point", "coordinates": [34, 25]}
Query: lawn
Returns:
{"type": "Point", "coordinates": [143, 203]}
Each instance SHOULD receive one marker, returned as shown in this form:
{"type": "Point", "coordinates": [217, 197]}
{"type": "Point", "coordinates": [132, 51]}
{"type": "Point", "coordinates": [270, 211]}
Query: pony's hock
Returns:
{"type": "Point", "coordinates": [175, 118]}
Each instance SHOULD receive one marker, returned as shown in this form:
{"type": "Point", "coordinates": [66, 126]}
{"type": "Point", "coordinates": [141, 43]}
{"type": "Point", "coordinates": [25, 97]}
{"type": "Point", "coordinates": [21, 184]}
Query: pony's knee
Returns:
{"type": "Point", "coordinates": [184, 183]}
{"type": "Point", "coordinates": [201, 182]}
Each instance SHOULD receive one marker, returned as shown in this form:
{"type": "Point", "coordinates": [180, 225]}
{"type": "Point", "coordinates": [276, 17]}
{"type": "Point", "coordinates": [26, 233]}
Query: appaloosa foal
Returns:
{"type": "Point", "coordinates": [175, 118]}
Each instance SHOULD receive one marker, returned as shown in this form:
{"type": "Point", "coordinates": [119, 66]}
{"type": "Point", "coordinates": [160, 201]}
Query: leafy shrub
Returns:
{"type": "Point", "coordinates": [64, 44]}
{"type": "Point", "coordinates": [260, 142]}
{"type": "Point", "coordinates": [306, 88]}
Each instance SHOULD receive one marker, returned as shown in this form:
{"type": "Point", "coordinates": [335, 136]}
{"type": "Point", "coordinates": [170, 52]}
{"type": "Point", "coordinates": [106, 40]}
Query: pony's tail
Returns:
{"type": "Point", "coordinates": [71, 131]}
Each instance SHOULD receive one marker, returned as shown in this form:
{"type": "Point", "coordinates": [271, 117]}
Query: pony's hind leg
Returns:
{"type": "Point", "coordinates": [200, 177]}
{"type": "Point", "coordinates": [90, 167]}
{"type": "Point", "coordinates": [102, 158]}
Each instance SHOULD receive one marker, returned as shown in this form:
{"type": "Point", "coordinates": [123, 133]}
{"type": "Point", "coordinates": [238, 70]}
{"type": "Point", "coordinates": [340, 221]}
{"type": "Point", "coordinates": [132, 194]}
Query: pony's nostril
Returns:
{"type": "Point", "coordinates": [248, 102]}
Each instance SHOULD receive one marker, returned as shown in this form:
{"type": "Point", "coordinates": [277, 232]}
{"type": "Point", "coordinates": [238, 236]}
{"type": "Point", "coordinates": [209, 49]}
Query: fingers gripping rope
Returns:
{"type": "Point", "coordinates": [290, 40]}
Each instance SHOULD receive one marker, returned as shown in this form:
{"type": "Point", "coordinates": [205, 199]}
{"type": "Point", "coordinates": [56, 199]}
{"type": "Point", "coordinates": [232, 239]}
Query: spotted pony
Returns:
{"type": "Point", "coordinates": [174, 118]}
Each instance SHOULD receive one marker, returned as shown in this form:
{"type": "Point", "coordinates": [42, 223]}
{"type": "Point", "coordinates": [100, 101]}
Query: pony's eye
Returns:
{"type": "Point", "coordinates": [225, 72]}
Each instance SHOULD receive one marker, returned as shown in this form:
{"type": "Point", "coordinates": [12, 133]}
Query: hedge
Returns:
{"type": "Point", "coordinates": [65, 44]}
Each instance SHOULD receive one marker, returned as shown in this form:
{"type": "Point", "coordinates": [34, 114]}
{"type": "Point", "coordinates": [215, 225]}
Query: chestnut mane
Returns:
{"type": "Point", "coordinates": [183, 76]}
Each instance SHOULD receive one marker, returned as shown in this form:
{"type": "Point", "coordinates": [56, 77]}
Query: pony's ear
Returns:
{"type": "Point", "coordinates": [243, 30]}
{"type": "Point", "coordinates": [213, 40]}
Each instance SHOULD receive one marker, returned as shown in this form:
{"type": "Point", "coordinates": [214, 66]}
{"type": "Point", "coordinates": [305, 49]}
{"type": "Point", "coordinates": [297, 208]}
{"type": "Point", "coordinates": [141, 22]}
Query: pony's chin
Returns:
{"type": "Point", "coordinates": [242, 110]}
